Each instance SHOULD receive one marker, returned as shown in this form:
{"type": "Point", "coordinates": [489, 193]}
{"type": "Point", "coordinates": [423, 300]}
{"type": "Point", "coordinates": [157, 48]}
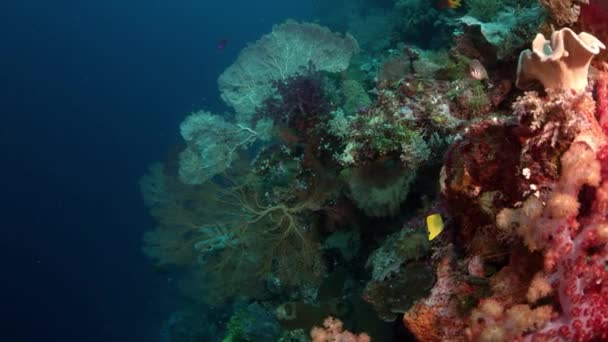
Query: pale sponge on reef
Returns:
{"type": "Point", "coordinates": [559, 63]}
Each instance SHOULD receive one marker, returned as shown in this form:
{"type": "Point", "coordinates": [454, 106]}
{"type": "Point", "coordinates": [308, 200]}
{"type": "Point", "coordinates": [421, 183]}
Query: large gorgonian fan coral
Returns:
{"type": "Point", "coordinates": [212, 145]}
{"type": "Point", "coordinates": [233, 236]}
{"type": "Point", "coordinates": [286, 51]}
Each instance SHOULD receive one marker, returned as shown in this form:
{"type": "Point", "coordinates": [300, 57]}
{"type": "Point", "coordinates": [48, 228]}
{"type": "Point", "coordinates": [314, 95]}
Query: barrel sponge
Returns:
{"type": "Point", "coordinates": [559, 63]}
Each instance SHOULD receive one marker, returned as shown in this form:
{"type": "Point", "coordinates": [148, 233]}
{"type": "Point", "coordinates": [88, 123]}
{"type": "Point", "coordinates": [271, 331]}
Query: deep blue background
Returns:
{"type": "Point", "coordinates": [92, 92]}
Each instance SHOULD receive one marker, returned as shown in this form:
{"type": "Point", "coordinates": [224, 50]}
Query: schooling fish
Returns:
{"type": "Point", "coordinates": [448, 3]}
{"type": "Point", "coordinates": [221, 45]}
{"type": "Point", "coordinates": [434, 225]}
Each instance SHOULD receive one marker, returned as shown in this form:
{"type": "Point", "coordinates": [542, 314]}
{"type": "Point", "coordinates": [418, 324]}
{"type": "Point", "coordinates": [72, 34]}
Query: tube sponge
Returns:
{"type": "Point", "coordinates": [559, 63]}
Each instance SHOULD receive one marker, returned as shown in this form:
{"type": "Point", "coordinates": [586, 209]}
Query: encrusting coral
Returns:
{"type": "Point", "coordinates": [559, 63]}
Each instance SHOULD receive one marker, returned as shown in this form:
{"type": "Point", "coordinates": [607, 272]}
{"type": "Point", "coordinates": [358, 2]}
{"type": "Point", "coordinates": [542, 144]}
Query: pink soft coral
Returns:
{"type": "Point", "coordinates": [333, 331]}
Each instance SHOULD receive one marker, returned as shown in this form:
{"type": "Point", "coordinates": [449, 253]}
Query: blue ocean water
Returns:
{"type": "Point", "coordinates": [92, 92]}
{"type": "Point", "coordinates": [373, 169]}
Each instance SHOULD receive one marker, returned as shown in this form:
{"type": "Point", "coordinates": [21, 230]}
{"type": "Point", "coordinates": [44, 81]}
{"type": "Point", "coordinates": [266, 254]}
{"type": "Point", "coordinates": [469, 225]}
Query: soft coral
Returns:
{"type": "Point", "coordinates": [301, 104]}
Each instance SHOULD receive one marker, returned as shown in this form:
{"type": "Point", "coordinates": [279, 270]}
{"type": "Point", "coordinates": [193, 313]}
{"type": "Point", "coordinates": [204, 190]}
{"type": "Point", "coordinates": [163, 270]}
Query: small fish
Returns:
{"type": "Point", "coordinates": [434, 225]}
{"type": "Point", "coordinates": [477, 70]}
{"type": "Point", "coordinates": [449, 4]}
{"type": "Point", "coordinates": [221, 45]}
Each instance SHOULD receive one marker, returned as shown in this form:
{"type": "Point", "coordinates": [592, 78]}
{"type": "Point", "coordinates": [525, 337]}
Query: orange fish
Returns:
{"type": "Point", "coordinates": [449, 3]}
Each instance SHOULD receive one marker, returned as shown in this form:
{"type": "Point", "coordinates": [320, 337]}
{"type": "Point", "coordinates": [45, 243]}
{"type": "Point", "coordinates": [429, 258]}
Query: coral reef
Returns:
{"type": "Point", "coordinates": [311, 199]}
{"type": "Point", "coordinates": [528, 198]}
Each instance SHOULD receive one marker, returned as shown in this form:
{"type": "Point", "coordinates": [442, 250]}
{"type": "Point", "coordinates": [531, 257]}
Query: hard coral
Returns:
{"type": "Point", "coordinates": [559, 63]}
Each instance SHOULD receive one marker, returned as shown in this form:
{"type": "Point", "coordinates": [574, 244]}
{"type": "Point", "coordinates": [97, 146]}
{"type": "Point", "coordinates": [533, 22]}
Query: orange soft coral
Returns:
{"type": "Point", "coordinates": [491, 321]}
{"type": "Point", "coordinates": [333, 331]}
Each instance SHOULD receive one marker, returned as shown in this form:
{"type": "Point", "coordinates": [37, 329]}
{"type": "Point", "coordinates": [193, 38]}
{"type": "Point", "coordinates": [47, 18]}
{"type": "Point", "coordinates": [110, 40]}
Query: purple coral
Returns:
{"type": "Point", "coordinates": [301, 105]}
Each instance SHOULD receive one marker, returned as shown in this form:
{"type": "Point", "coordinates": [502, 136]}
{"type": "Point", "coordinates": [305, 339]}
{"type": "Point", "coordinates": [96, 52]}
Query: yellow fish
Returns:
{"type": "Point", "coordinates": [434, 224]}
{"type": "Point", "coordinates": [449, 3]}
